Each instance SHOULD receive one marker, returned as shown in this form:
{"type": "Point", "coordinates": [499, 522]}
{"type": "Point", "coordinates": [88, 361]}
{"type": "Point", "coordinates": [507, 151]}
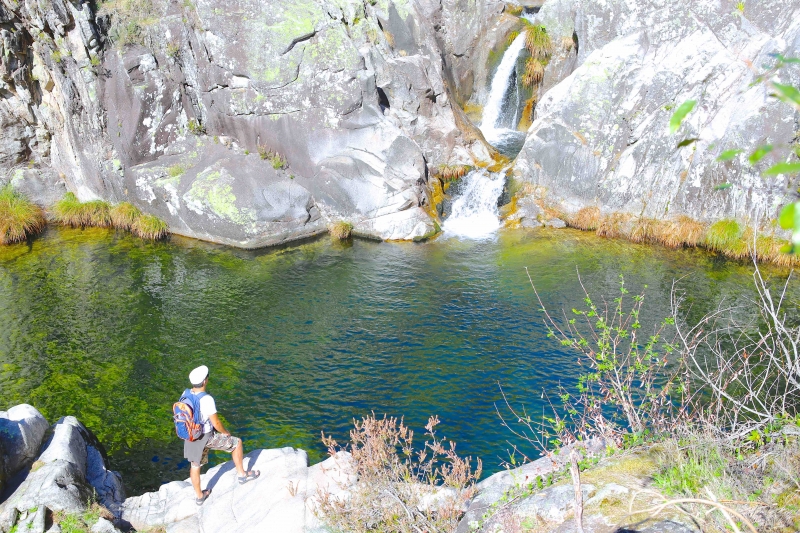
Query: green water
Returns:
{"type": "Point", "coordinates": [299, 340]}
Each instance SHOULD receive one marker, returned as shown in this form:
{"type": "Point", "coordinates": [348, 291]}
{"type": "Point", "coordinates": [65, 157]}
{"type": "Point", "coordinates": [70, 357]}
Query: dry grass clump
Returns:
{"type": "Point", "coordinates": [68, 211]}
{"type": "Point", "coordinates": [393, 480]}
{"type": "Point", "coordinates": [124, 214]}
{"type": "Point", "coordinates": [341, 230]}
{"type": "Point", "coordinates": [97, 213]}
{"type": "Point", "coordinates": [131, 20]}
{"type": "Point", "coordinates": [534, 72]}
{"type": "Point", "coordinates": [644, 230]}
{"type": "Point", "coordinates": [514, 9]}
{"type": "Point", "coordinates": [452, 172]}
{"type": "Point", "coordinates": [526, 119]}
{"type": "Point", "coordinates": [587, 219]}
{"type": "Point", "coordinates": [19, 217]}
{"type": "Point", "coordinates": [614, 226]}
{"type": "Point", "coordinates": [681, 231]}
{"type": "Point", "coordinates": [149, 227]}
{"type": "Point", "coordinates": [567, 43]}
{"type": "Point", "coordinates": [538, 43]}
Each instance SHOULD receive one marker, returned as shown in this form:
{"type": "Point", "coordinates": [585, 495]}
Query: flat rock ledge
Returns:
{"type": "Point", "coordinates": [70, 469]}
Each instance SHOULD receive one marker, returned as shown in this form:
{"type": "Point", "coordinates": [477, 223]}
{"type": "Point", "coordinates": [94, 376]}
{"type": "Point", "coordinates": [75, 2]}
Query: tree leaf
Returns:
{"type": "Point", "coordinates": [787, 93]}
{"type": "Point", "coordinates": [722, 186]}
{"type": "Point", "coordinates": [679, 115]}
{"type": "Point", "coordinates": [687, 142]}
{"type": "Point", "coordinates": [759, 154]}
{"type": "Point", "coordinates": [790, 217]}
{"type": "Point", "coordinates": [727, 155]}
{"type": "Point", "coordinates": [782, 168]}
{"type": "Point", "coordinates": [784, 59]}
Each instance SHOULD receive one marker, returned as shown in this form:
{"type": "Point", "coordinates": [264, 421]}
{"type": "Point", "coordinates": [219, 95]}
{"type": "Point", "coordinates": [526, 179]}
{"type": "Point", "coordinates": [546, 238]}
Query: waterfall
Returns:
{"type": "Point", "coordinates": [497, 93]}
{"type": "Point", "coordinates": [474, 213]}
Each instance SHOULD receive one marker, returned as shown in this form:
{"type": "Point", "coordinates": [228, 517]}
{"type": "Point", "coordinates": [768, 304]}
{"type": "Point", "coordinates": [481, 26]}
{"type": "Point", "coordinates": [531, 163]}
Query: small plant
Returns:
{"type": "Point", "coordinates": [150, 227]}
{"type": "Point", "coordinates": [514, 9]}
{"type": "Point", "coordinates": [19, 217]}
{"type": "Point", "coordinates": [173, 49]}
{"type": "Point", "coordinates": [56, 56]}
{"type": "Point", "coordinates": [278, 161]}
{"type": "Point", "coordinates": [681, 231]}
{"type": "Point", "coordinates": [512, 37]}
{"type": "Point", "coordinates": [341, 230]}
{"type": "Point", "coordinates": [195, 128]}
{"type": "Point", "coordinates": [725, 236]}
{"type": "Point", "coordinates": [124, 215]}
{"type": "Point", "coordinates": [396, 483]}
{"type": "Point", "coordinates": [97, 213]}
{"type": "Point", "coordinates": [95, 61]}
{"type": "Point", "coordinates": [740, 7]}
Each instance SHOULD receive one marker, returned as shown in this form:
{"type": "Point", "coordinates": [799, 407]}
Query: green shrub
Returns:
{"type": "Point", "coordinates": [19, 217]}
{"type": "Point", "coordinates": [97, 213]}
{"type": "Point", "coordinates": [538, 43]}
{"type": "Point", "coordinates": [278, 161]}
{"type": "Point", "coordinates": [131, 20]}
{"type": "Point", "coordinates": [725, 236]}
{"type": "Point", "coordinates": [150, 227]}
{"type": "Point", "coordinates": [195, 128]}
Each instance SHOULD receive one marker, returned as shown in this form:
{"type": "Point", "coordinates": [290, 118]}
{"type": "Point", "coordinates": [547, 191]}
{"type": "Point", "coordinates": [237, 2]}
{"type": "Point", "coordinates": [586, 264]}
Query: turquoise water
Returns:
{"type": "Point", "coordinates": [300, 340]}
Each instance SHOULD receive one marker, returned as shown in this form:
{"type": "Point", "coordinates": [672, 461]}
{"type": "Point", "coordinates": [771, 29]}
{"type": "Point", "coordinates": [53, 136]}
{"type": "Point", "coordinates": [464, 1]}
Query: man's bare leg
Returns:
{"type": "Point", "coordinates": [194, 475]}
{"type": "Point", "coordinates": [237, 455]}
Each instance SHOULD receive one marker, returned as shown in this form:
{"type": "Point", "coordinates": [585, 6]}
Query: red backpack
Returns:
{"type": "Point", "coordinates": [186, 414]}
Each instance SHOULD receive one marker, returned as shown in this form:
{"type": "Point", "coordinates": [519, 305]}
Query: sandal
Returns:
{"type": "Point", "coordinates": [201, 501]}
{"type": "Point", "coordinates": [250, 475]}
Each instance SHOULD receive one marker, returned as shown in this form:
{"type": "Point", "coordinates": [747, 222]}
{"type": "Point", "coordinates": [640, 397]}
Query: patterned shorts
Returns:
{"type": "Point", "coordinates": [213, 441]}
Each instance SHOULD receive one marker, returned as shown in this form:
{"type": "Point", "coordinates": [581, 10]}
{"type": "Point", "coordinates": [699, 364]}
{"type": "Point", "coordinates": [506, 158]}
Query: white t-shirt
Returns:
{"type": "Point", "coordinates": [208, 407]}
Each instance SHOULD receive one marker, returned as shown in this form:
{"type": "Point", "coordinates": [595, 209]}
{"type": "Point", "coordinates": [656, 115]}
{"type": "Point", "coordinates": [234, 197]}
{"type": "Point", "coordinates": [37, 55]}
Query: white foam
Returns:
{"type": "Point", "coordinates": [474, 214]}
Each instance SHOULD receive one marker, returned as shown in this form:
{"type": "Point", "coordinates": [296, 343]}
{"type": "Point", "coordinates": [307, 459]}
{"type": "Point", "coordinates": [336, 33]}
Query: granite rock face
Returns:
{"type": "Point", "coordinates": [186, 117]}
{"type": "Point", "coordinates": [601, 134]}
{"type": "Point", "coordinates": [70, 471]}
{"type": "Point", "coordinates": [22, 431]}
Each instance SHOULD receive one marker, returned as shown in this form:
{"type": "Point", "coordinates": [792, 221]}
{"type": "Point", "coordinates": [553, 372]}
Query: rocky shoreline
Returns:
{"type": "Point", "coordinates": [52, 472]}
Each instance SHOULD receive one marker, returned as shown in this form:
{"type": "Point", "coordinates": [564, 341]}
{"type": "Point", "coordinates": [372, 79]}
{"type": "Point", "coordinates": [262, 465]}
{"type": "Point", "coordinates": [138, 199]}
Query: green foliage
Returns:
{"type": "Point", "coordinates": [727, 155]}
{"type": "Point", "coordinates": [19, 217]}
{"type": "Point", "coordinates": [341, 230]}
{"type": "Point", "coordinates": [680, 115]}
{"type": "Point", "coordinates": [69, 212]}
{"type": "Point", "coordinates": [724, 235]}
{"type": "Point", "coordinates": [95, 61]}
{"type": "Point", "coordinates": [691, 473]}
{"type": "Point", "coordinates": [740, 7]}
{"type": "Point", "coordinates": [124, 214]}
{"type": "Point", "coordinates": [131, 20]}
{"type": "Point", "coordinates": [56, 56]}
{"type": "Point", "coordinates": [195, 128]}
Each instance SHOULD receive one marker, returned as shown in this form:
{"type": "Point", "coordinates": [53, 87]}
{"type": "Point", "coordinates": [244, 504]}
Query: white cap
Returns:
{"type": "Point", "coordinates": [199, 374]}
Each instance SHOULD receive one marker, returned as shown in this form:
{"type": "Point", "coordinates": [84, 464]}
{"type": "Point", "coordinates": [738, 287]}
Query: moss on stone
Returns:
{"type": "Point", "coordinates": [214, 191]}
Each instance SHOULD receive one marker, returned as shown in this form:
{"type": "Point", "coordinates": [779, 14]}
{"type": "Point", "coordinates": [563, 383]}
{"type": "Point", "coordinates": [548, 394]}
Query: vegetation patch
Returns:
{"type": "Point", "coordinates": [452, 172]}
{"type": "Point", "coordinates": [131, 20]}
{"type": "Point", "coordinates": [534, 72]}
{"type": "Point", "coordinates": [341, 230]}
{"type": "Point", "coordinates": [19, 217]}
{"type": "Point", "coordinates": [69, 211]}
{"type": "Point", "coordinates": [587, 219]}
{"type": "Point", "coordinates": [149, 227]}
{"type": "Point", "coordinates": [538, 43]}
{"type": "Point", "coordinates": [277, 160]}
{"type": "Point", "coordinates": [176, 170]}
{"type": "Point", "coordinates": [681, 231]}
{"type": "Point", "coordinates": [723, 235]}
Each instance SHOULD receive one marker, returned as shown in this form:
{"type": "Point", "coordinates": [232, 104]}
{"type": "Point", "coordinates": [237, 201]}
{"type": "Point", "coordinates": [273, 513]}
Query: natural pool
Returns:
{"type": "Point", "coordinates": [302, 339]}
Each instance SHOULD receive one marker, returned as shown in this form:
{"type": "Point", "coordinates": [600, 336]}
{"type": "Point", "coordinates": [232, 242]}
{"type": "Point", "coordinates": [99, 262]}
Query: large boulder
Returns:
{"type": "Point", "coordinates": [69, 473]}
{"type": "Point", "coordinates": [281, 499]}
{"type": "Point", "coordinates": [22, 430]}
{"type": "Point", "coordinates": [601, 135]}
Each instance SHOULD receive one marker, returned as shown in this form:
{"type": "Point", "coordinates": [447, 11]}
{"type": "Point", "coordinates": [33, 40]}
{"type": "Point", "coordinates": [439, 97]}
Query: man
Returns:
{"type": "Point", "coordinates": [215, 437]}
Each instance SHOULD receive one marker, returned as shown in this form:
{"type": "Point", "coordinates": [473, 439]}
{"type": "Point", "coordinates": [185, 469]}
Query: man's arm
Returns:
{"type": "Point", "coordinates": [215, 421]}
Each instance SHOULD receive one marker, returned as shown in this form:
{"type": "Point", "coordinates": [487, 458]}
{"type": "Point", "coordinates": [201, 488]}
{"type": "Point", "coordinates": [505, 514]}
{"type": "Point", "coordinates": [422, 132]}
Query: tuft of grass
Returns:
{"type": "Point", "coordinates": [19, 217]}
{"type": "Point", "coordinates": [725, 236]}
{"type": "Point", "coordinates": [567, 43]}
{"type": "Point", "coordinates": [526, 119]}
{"type": "Point", "coordinates": [452, 172]}
{"type": "Point", "coordinates": [644, 230]}
{"type": "Point", "coordinates": [150, 227]}
{"type": "Point", "coordinates": [131, 20]}
{"type": "Point", "coordinates": [195, 128]}
{"type": "Point", "coordinates": [124, 215]}
{"type": "Point", "coordinates": [534, 72]}
{"type": "Point", "coordinates": [681, 231]}
{"type": "Point", "coordinates": [514, 9]}
{"type": "Point", "coordinates": [614, 226]}
{"type": "Point", "coordinates": [538, 43]}
{"type": "Point", "coordinates": [587, 219]}
{"type": "Point", "coordinates": [97, 213]}
{"type": "Point", "coordinates": [511, 36]}
{"type": "Point", "coordinates": [69, 211]}
{"type": "Point", "coordinates": [341, 230]}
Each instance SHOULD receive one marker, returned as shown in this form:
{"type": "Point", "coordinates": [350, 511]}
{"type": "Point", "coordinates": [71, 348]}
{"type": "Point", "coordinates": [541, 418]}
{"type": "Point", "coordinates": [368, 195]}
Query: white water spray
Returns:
{"type": "Point", "coordinates": [497, 92]}
{"type": "Point", "coordinates": [474, 214]}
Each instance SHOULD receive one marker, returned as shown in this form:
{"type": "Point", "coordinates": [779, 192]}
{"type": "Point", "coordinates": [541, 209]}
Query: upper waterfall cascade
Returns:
{"type": "Point", "coordinates": [493, 109]}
